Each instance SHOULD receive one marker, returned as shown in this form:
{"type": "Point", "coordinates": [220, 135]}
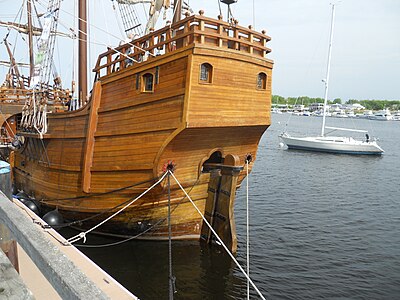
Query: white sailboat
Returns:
{"type": "Point", "coordinates": [332, 144]}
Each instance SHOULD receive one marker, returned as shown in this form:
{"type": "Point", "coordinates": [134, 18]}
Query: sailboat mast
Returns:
{"type": "Point", "coordinates": [30, 39]}
{"type": "Point", "coordinates": [82, 51]}
{"type": "Point", "coordinates": [328, 71]}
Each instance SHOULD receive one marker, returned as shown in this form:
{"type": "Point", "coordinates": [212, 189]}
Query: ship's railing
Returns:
{"type": "Point", "coordinates": [13, 95]}
{"type": "Point", "coordinates": [14, 81]}
{"type": "Point", "coordinates": [19, 96]}
{"type": "Point", "coordinates": [198, 30]}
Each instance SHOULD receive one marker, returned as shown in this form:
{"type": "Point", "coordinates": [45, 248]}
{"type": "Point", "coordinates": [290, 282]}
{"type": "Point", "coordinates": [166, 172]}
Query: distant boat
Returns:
{"type": "Point", "coordinates": [332, 144]}
{"type": "Point", "coordinates": [382, 115]}
{"type": "Point", "coordinates": [396, 116]}
{"type": "Point", "coordinates": [365, 115]}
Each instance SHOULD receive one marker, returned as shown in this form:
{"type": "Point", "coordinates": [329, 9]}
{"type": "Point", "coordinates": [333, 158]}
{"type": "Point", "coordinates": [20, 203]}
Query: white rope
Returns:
{"type": "Point", "coordinates": [83, 234]}
{"type": "Point", "coordinates": [105, 19]}
{"type": "Point", "coordinates": [247, 228]}
{"type": "Point", "coordinates": [254, 15]}
{"type": "Point", "coordinates": [218, 238]}
{"type": "Point", "coordinates": [121, 31]}
{"type": "Point", "coordinates": [127, 56]}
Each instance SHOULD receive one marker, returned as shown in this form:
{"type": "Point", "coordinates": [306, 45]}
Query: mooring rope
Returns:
{"type": "Point", "coordinates": [247, 228]}
{"type": "Point", "coordinates": [82, 235]}
{"type": "Point", "coordinates": [88, 218]}
{"type": "Point", "coordinates": [218, 238]}
{"type": "Point", "coordinates": [143, 232]}
{"type": "Point", "coordinates": [171, 277]}
{"type": "Point", "coordinates": [100, 213]}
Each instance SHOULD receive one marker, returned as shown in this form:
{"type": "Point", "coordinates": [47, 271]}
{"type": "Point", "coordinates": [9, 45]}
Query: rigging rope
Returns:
{"type": "Point", "coordinates": [219, 5]}
{"type": "Point", "coordinates": [98, 214]}
{"type": "Point", "coordinates": [143, 232]}
{"type": "Point", "coordinates": [102, 30]}
{"type": "Point", "coordinates": [218, 238]}
{"type": "Point", "coordinates": [254, 14]}
{"type": "Point", "coordinates": [46, 227]}
{"type": "Point", "coordinates": [83, 234]}
{"type": "Point", "coordinates": [121, 31]}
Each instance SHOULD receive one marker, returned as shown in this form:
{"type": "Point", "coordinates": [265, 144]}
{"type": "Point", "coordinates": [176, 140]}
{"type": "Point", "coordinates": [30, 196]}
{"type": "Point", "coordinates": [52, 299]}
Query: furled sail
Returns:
{"type": "Point", "coordinates": [154, 13]}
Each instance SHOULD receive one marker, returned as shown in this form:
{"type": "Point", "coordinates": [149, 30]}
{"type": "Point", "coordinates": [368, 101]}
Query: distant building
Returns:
{"type": "Point", "coordinates": [298, 107]}
{"type": "Point", "coordinates": [336, 107]}
{"type": "Point", "coordinates": [316, 106]}
{"type": "Point", "coordinates": [352, 107]}
{"type": "Point", "coordinates": [357, 106]}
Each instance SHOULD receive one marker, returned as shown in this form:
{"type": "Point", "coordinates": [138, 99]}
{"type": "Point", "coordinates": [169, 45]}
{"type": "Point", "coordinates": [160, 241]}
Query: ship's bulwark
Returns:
{"type": "Point", "coordinates": [135, 133]}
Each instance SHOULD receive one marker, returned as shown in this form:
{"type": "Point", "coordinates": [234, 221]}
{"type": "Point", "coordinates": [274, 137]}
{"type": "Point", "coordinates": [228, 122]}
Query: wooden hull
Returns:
{"type": "Point", "coordinates": [127, 134]}
{"type": "Point", "coordinates": [47, 184]}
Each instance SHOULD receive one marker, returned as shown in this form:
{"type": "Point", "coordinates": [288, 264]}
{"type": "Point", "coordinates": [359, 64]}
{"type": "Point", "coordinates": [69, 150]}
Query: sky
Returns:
{"type": "Point", "coordinates": [365, 54]}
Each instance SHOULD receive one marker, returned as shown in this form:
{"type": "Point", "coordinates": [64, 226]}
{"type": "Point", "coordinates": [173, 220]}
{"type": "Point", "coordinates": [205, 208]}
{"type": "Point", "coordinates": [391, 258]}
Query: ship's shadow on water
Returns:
{"type": "Point", "coordinates": [201, 271]}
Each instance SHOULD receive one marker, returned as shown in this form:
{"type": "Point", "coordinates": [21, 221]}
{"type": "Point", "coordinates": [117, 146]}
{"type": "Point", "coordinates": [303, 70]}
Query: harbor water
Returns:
{"type": "Point", "coordinates": [322, 226]}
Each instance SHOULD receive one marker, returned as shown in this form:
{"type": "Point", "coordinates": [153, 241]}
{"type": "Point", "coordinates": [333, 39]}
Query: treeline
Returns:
{"type": "Point", "coordinates": [368, 104]}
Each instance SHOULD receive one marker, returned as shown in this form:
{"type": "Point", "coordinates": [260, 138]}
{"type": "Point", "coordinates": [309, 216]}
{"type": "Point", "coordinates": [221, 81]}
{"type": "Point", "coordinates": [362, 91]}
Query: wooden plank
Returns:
{"type": "Point", "coordinates": [90, 140]}
{"type": "Point", "coordinates": [231, 94]}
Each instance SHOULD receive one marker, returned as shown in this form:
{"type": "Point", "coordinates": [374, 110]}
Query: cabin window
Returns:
{"type": "Point", "coordinates": [205, 73]}
{"type": "Point", "coordinates": [262, 81]}
{"type": "Point", "coordinates": [148, 82]}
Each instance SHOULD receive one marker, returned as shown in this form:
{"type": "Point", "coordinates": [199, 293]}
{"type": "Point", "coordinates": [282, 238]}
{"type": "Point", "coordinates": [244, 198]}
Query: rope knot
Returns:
{"type": "Point", "coordinates": [82, 235]}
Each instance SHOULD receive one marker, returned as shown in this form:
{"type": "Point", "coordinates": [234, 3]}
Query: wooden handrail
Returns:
{"type": "Point", "coordinates": [15, 95]}
{"type": "Point", "coordinates": [191, 30]}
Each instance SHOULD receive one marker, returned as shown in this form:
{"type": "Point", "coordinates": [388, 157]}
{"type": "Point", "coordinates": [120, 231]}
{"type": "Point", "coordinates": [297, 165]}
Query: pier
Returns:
{"type": "Point", "coordinates": [68, 272]}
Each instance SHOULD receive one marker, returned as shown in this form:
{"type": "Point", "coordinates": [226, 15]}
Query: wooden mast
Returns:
{"type": "Point", "coordinates": [82, 51]}
{"type": "Point", "coordinates": [178, 11]}
{"type": "Point", "coordinates": [14, 67]}
{"type": "Point", "coordinates": [30, 39]}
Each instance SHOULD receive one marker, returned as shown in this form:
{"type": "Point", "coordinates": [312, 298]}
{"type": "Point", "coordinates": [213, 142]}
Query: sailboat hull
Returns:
{"type": "Point", "coordinates": [342, 145]}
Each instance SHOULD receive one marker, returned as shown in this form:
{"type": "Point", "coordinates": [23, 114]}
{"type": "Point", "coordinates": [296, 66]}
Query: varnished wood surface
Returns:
{"type": "Point", "coordinates": [90, 140]}
{"type": "Point", "coordinates": [136, 133]}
